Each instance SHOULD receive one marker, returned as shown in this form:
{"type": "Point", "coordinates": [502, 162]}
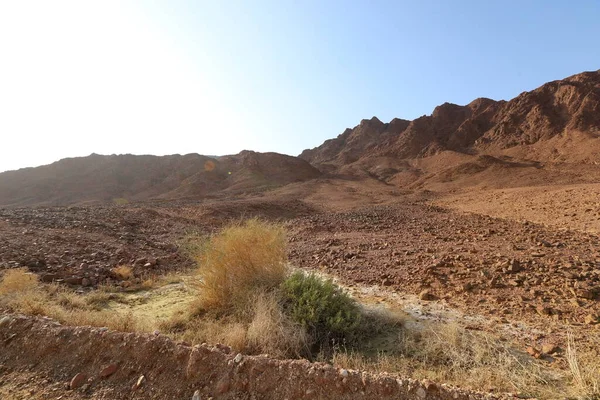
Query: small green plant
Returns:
{"type": "Point", "coordinates": [322, 307]}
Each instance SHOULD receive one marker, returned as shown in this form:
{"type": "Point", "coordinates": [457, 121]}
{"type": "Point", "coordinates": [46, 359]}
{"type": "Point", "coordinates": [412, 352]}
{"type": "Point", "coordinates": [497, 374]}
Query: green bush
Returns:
{"type": "Point", "coordinates": [322, 307]}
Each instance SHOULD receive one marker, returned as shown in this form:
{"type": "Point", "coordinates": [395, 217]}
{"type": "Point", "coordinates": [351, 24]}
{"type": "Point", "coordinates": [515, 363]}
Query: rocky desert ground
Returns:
{"type": "Point", "coordinates": [485, 217]}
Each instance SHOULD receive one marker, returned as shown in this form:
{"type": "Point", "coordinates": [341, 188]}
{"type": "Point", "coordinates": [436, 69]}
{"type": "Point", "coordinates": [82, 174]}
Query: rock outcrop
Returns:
{"type": "Point", "coordinates": [565, 109]}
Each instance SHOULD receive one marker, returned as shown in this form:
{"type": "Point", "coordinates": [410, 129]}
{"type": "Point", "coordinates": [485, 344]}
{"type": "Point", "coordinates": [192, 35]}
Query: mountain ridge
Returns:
{"type": "Point", "coordinates": [483, 125]}
{"type": "Point", "coordinates": [547, 135]}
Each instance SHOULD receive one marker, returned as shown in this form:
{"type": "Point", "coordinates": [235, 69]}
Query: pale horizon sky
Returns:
{"type": "Point", "coordinates": [217, 77]}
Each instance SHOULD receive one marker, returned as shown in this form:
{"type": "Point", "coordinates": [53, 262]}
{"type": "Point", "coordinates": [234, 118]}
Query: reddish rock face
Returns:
{"type": "Point", "coordinates": [559, 107]}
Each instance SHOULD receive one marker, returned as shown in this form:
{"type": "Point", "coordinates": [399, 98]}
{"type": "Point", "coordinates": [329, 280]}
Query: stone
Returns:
{"type": "Point", "coordinates": [4, 321]}
{"type": "Point", "coordinates": [77, 381]}
{"type": "Point", "coordinates": [223, 385]}
{"type": "Point", "coordinates": [585, 294]}
{"type": "Point", "coordinates": [196, 395]}
{"type": "Point", "coordinates": [421, 393]}
{"type": "Point", "coordinates": [426, 295]}
{"type": "Point", "coordinates": [139, 382]}
{"type": "Point", "coordinates": [48, 278]}
{"type": "Point", "coordinates": [85, 282]}
{"type": "Point", "coordinates": [238, 358]}
{"type": "Point", "coordinates": [514, 266]}
{"type": "Point", "coordinates": [74, 280]}
{"type": "Point", "coordinates": [549, 348]}
{"type": "Point", "coordinates": [532, 351]}
{"type": "Point", "coordinates": [543, 310]}
{"type": "Point", "coordinates": [108, 370]}
{"type": "Point", "coordinates": [591, 319]}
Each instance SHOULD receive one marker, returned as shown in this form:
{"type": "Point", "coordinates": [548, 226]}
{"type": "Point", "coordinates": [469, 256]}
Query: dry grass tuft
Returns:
{"type": "Point", "coordinates": [445, 352]}
{"type": "Point", "coordinates": [18, 280]}
{"type": "Point", "coordinates": [123, 272]}
{"type": "Point", "coordinates": [585, 370]}
{"type": "Point", "coordinates": [262, 328]}
{"type": "Point", "coordinates": [271, 331]}
{"type": "Point", "coordinates": [241, 260]}
{"type": "Point", "coordinates": [21, 291]}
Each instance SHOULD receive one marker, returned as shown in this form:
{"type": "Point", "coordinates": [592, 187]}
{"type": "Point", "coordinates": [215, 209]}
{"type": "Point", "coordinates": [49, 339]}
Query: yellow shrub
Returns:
{"type": "Point", "coordinates": [123, 272]}
{"type": "Point", "coordinates": [18, 280]}
{"type": "Point", "coordinates": [242, 259]}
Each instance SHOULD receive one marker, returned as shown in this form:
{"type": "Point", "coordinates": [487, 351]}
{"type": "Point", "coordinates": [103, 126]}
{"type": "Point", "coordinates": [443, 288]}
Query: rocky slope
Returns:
{"type": "Point", "coordinates": [561, 119]}
{"type": "Point", "coordinates": [122, 178]}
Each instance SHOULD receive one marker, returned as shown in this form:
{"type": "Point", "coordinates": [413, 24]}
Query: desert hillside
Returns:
{"type": "Point", "coordinates": [124, 178]}
{"type": "Point", "coordinates": [462, 248]}
{"type": "Point", "coordinates": [557, 124]}
{"type": "Point", "coordinates": [550, 135]}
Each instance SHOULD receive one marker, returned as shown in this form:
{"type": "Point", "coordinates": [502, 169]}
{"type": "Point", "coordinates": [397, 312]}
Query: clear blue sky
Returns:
{"type": "Point", "coordinates": [216, 77]}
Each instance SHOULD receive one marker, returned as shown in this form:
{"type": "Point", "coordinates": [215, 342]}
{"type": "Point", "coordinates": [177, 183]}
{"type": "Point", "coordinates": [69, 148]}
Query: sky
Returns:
{"type": "Point", "coordinates": [217, 77]}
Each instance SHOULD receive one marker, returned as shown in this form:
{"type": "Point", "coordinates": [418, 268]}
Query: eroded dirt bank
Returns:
{"type": "Point", "coordinates": [112, 365]}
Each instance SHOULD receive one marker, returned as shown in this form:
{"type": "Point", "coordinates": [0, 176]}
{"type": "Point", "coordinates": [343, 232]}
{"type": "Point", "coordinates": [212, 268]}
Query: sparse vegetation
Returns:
{"type": "Point", "coordinates": [270, 310]}
{"type": "Point", "coordinates": [243, 259]}
{"type": "Point", "coordinates": [17, 281]}
{"type": "Point", "coordinates": [322, 307]}
{"type": "Point", "coordinates": [446, 352]}
{"type": "Point", "coordinates": [20, 291]}
{"type": "Point", "coordinates": [123, 272]}
{"type": "Point", "coordinates": [585, 370]}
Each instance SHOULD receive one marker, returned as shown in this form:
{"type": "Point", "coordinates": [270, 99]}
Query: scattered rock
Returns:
{"type": "Point", "coordinates": [532, 351]}
{"type": "Point", "coordinates": [426, 295]}
{"type": "Point", "coordinates": [591, 319]}
{"type": "Point", "coordinates": [196, 395]}
{"type": "Point", "coordinates": [108, 370]}
{"type": "Point", "coordinates": [48, 278]}
{"type": "Point", "coordinates": [74, 280]}
{"type": "Point", "coordinates": [514, 266]}
{"type": "Point", "coordinates": [549, 348]}
{"type": "Point", "coordinates": [543, 310]}
{"type": "Point", "coordinates": [77, 381]}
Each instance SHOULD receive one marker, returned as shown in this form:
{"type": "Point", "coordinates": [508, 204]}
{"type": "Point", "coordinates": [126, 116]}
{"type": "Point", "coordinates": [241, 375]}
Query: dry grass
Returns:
{"type": "Point", "coordinates": [441, 352]}
{"type": "Point", "coordinates": [123, 272]}
{"type": "Point", "coordinates": [243, 259]}
{"type": "Point", "coordinates": [18, 280]}
{"type": "Point", "coordinates": [585, 370]}
{"type": "Point", "coordinates": [271, 331]}
{"type": "Point", "coordinates": [21, 291]}
{"type": "Point", "coordinates": [262, 329]}
{"type": "Point", "coordinates": [451, 354]}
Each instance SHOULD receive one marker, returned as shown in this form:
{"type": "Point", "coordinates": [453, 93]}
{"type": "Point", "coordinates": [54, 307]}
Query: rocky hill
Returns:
{"type": "Point", "coordinates": [557, 122]}
{"type": "Point", "coordinates": [122, 178]}
{"type": "Point", "coordinates": [545, 136]}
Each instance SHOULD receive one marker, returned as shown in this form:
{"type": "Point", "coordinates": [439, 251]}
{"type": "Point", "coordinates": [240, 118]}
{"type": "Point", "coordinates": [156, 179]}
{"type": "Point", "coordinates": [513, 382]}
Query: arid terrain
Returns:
{"type": "Point", "coordinates": [484, 216]}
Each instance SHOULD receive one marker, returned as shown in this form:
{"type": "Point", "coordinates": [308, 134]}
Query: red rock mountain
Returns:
{"type": "Point", "coordinates": [120, 178]}
{"type": "Point", "coordinates": [548, 135]}
{"type": "Point", "coordinates": [555, 116]}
